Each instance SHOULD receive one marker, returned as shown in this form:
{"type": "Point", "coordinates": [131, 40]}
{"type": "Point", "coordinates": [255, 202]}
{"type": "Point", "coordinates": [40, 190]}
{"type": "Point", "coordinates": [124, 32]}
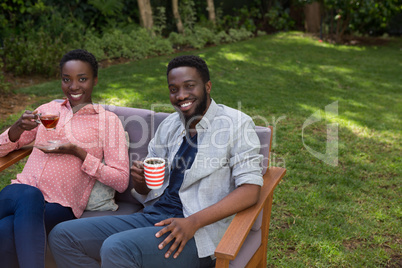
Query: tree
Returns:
{"type": "Point", "coordinates": [176, 15]}
{"type": "Point", "coordinates": [312, 13]}
{"type": "Point", "coordinates": [211, 11]}
{"type": "Point", "coordinates": [146, 13]}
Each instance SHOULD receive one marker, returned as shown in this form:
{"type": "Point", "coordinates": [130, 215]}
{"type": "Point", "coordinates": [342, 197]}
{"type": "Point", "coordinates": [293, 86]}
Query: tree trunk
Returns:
{"type": "Point", "coordinates": [313, 17]}
{"type": "Point", "coordinates": [176, 15]}
{"type": "Point", "coordinates": [331, 28]}
{"type": "Point", "coordinates": [211, 11]}
{"type": "Point", "coordinates": [146, 13]}
{"type": "Point", "coordinates": [341, 26]}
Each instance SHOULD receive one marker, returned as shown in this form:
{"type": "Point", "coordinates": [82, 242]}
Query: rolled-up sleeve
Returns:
{"type": "Point", "coordinates": [7, 146]}
{"type": "Point", "coordinates": [245, 159]}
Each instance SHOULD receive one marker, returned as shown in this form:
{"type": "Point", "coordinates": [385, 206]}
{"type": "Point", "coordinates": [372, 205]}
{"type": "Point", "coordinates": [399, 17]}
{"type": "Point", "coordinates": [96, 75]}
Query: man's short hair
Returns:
{"type": "Point", "coordinates": [82, 55]}
{"type": "Point", "coordinates": [190, 61]}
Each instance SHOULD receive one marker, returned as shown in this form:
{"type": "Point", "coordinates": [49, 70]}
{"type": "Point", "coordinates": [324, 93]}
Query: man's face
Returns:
{"type": "Point", "coordinates": [77, 82]}
{"type": "Point", "coordinates": [188, 93]}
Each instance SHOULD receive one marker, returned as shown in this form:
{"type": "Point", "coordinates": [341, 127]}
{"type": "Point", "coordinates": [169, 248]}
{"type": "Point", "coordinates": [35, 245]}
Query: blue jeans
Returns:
{"type": "Point", "coordinates": [118, 241]}
{"type": "Point", "coordinates": [22, 225]}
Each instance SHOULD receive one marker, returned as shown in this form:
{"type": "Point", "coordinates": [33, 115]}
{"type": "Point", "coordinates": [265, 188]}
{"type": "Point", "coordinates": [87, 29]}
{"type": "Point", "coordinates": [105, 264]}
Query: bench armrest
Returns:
{"type": "Point", "coordinates": [239, 228]}
{"type": "Point", "coordinates": [14, 157]}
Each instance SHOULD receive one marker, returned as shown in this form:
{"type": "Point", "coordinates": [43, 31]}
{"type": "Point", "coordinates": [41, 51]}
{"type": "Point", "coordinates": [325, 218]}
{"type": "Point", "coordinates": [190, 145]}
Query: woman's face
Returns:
{"type": "Point", "coordinates": [77, 82]}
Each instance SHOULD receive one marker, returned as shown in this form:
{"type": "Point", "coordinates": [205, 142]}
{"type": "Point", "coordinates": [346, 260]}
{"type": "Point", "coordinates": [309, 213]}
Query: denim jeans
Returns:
{"type": "Point", "coordinates": [22, 225]}
{"type": "Point", "coordinates": [118, 241]}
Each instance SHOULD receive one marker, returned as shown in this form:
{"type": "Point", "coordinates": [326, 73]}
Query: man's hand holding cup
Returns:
{"type": "Point", "coordinates": [154, 172]}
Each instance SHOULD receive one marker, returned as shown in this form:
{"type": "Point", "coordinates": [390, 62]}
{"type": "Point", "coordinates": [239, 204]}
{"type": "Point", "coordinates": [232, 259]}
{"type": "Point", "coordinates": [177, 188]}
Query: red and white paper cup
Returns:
{"type": "Point", "coordinates": [154, 172]}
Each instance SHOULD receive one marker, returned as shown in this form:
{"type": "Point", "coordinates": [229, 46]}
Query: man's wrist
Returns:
{"type": "Point", "coordinates": [194, 221]}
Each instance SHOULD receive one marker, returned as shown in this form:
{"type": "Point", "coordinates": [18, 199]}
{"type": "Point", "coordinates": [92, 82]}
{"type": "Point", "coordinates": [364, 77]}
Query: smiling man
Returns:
{"type": "Point", "coordinates": [213, 158]}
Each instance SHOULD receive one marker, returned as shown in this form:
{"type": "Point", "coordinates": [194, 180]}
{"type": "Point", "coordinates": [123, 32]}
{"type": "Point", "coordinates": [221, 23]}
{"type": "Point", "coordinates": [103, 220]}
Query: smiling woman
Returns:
{"type": "Point", "coordinates": [57, 179]}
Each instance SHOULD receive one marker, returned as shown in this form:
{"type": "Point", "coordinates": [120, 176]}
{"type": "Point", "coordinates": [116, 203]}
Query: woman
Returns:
{"type": "Point", "coordinates": [57, 180]}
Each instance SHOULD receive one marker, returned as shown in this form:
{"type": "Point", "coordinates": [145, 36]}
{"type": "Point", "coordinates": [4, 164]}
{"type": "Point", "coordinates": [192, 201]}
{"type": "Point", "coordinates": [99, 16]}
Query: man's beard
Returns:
{"type": "Point", "coordinates": [199, 112]}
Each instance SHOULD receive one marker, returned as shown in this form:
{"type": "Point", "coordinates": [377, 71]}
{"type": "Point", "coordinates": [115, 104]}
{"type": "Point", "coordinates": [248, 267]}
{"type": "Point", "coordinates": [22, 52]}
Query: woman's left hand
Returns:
{"type": "Point", "coordinates": [68, 148]}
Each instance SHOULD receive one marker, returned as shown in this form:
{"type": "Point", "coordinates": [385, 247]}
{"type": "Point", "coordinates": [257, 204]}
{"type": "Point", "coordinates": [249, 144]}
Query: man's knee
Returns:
{"type": "Point", "coordinates": [116, 251]}
{"type": "Point", "coordinates": [59, 237]}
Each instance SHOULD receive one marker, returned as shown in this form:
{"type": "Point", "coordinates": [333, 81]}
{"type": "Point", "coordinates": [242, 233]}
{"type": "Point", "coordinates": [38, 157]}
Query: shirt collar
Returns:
{"type": "Point", "coordinates": [87, 109]}
{"type": "Point", "coordinates": [206, 120]}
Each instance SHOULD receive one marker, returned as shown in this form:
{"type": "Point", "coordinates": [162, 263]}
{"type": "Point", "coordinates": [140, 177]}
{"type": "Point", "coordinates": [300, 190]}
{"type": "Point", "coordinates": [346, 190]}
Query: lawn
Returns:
{"type": "Point", "coordinates": [340, 202]}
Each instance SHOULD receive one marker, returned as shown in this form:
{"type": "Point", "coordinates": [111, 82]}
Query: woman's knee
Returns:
{"type": "Point", "coordinates": [22, 196]}
{"type": "Point", "coordinates": [31, 193]}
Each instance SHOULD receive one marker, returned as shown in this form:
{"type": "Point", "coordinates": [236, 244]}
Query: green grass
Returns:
{"type": "Point", "coordinates": [347, 215]}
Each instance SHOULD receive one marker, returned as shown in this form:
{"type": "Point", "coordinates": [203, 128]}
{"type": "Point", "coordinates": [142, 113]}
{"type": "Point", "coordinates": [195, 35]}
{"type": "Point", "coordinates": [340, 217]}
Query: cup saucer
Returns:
{"type": "Point", "coordinates": [51, 145]}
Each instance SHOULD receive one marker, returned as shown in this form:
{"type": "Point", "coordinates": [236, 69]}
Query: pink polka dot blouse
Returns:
{"type": "Point", "coordinates": [64, 178]}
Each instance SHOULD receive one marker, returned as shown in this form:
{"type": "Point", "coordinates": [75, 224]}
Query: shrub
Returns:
{"type": "Point", "coordinates": [239, 34]}
{"type": "Point", "coordinates": [93, 44]}
{"type": "Point", "coordinates": [162, 46]}
{"type": "Point", "coordinates": [3, 84]}
{"type": "Point", "coordinates": [222, 37]}
{"type": "Point", "coordinates": [116, 44]}
{"type": "Point", "coordinates": [37, 53]}
{"type": "Point", "coordinates": [279, 18]}
{"type": "Point", "coordinates": [137, 44]}
{"type": "Point", "coordinates": [146, 44]}
{"type": "Point", "coordinates": [177, 39]}
{"type": "Point", "coordinates": [200, 37]}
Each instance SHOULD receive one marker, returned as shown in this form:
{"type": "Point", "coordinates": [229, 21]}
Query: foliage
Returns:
{"type": "Point", "coordinates": [3, 84]}
{"type": "Point", "coordinates": [279, 18]}
{"type": "Point", "coordinates": [137, 44]}
{"type": "Point", "coordinates": [347, 215]}
{"type": "Point", "coordinates": [108, 8]}
{"type": "Point", "coordinates": [223, 37]}
{"type": "Point", "coordinates": [359, 16]}
{"type": "Point", "coordinates": [48, 28]}
{"type": "Point", "coordinates": [39, 48]}
{"type": "Point", "coordinates": [202, 36]}
{"type": "Point", "coordinates": [187, 12]}
{"type": "Point", "coordinates": [243, 18]}
{"type": "Point", "coordinates": [240, 34]}
{"type": "Point", "coordinates": [35, 53]}
{"type": "Point", "coordinates": [159, 20]}
{"type": "Point", "coordinates": [93, 43]}
{"type": "Point", "coordinates": [18, 11]}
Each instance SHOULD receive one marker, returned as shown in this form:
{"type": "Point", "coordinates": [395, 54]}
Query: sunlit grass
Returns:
{"type": "Point", "coordinates": [345, 215]}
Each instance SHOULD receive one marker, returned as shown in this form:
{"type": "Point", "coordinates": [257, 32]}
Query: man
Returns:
{"type": "Point", "coordinates": [212, 154]}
